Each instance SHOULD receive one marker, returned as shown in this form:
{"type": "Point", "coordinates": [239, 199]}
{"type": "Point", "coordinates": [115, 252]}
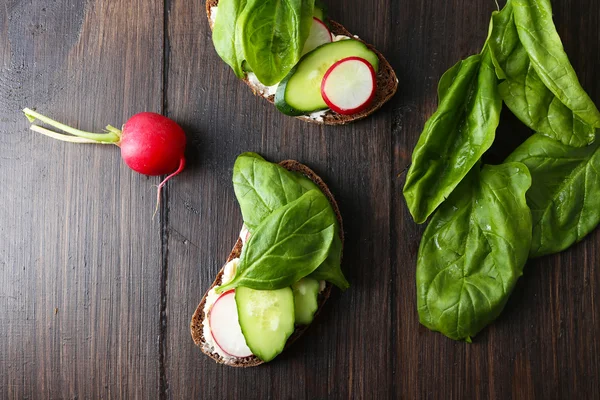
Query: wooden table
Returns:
{"type": "Point", "coordinates": [96, 296]}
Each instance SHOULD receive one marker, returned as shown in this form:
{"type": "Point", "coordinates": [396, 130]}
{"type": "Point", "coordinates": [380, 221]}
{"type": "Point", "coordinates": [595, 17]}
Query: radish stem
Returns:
{"type": "Point", "coordinates": [110, 128]}
{"type": "Point", "coordinates": [64, 138]}
{"type": "Point", "coordinates": [112, 136]}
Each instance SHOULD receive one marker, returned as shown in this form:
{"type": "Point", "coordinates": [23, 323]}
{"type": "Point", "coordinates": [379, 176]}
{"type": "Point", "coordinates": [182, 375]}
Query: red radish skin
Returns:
{"type": "Point", "coordinates": [368, 99]}
{"type": "Point", "coordinates": [153, 144]}
{"type": "Point", "coordinates": [221, 329]}
{"type": "Point", "coordinates": [232, 291]}
{"type": "Point", "coordinates": [150, 143]}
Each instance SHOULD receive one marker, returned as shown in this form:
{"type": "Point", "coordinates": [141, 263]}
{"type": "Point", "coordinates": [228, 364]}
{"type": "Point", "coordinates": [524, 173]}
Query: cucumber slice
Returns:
{"type": "Point", "coordinates": [266, 318]}
{"type": "Point", "coordinates": [299, 92]}
{"type": "Point", "coordinates": [306, 292]}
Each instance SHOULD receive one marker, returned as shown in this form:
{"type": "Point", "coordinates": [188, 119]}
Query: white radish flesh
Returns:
{"type": "Point", "coordinates": [319, 34]}
{"type": "Point", "coordinates": [349, 85]}
{"type": "Point", "coordinates": [225, 327]}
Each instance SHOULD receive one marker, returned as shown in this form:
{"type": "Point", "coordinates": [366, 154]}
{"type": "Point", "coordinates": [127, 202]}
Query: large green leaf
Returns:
{"type": "Point", "coordinates": [224, 34]}
{"type": "Point", "coordinates": [456, 135]}
{"type": "Point", "coordinates": [565, 194]}
{"type": "Point", "coordinates": [474, 250]}
{"type": "Point", "coordinates": [525, 94]}
{"type": "Point", "coordinates": [262, 187]}
{"type": "Point", "coordinates": [272, 34]}
{"type": "Point", "coordinates": [331, 269]}
{"type": "Point", "coordinates": [537, 33]}
{"type": "Point", "coordinates": [287, 246]}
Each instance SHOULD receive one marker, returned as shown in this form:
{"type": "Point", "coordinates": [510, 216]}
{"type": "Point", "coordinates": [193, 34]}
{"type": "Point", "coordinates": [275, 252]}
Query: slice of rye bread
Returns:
{"type": "Point", "coordinates": [387, 82]}
{"type": "Point", "coordinates": [197, 325]}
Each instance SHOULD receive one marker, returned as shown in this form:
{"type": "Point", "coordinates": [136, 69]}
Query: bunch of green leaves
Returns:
{"type": "Point", "coordinates": [539, 84]}
{"type": "Point", "coordinates": [478, 240]}
{"type": "Point", "coordinates": [294, 229]}
{"type": "Point", "coordinates": [266, 36]}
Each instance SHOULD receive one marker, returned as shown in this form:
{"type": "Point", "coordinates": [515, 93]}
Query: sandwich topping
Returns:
{"type": "Point", "coordinates": [289, 60]}
{"type": "Point", "coordinates": [269, 91]}
{"type": "Point", "coordinates": [258, 87]}
{"type": "Point", "coordinates": [229, 271]}
{"type": "Point", "coordinates": [291, 248]}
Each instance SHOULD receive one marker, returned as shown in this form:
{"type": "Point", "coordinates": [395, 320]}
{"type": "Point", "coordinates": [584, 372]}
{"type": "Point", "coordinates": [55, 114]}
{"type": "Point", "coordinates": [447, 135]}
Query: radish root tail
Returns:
{"type": "Point", "coordinates": [160, 186]}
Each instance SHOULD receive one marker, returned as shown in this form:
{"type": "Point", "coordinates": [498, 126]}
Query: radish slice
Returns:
{"type": "Point", "coordinates": [349, 85]}
{"type": "Point", "coordinates": [319, 34]}
{"type": "Point", "coordinates": [225, 328]}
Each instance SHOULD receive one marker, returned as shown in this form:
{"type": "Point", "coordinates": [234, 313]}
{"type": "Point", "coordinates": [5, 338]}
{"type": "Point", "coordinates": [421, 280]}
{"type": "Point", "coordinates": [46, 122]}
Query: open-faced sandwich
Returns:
{"type": "Point", "coordinates": [293, 55]}
{"type": "Point", "coordinates": [281, 269]}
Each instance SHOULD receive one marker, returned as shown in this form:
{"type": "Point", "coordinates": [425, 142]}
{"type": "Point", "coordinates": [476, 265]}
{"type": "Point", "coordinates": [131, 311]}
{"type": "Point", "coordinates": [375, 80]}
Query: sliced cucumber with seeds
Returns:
{"type": "Point", "coordinates": [266, 318]}
{"type": "Point", "coordinates": [306, 293]}
{"type": "Point", "coordinates": [299, 92]}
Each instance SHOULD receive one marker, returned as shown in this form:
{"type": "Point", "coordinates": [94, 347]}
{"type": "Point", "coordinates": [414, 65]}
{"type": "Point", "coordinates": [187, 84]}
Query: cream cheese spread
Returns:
{"type": "Point", "coordinates": [266, 91]}
{"type": "Point", "coordinates": [213, 15]}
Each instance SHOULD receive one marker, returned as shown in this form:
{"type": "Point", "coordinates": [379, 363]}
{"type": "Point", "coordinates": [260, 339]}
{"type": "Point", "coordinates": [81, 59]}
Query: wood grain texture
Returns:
{"type": "Point", "coordinates": [543, 345]}
{"type": "Point", "coordinates": [79, 253]}
{"type": "Point", "coordinates": [77, 235]}
{"type": "Point", "coordinates": [204, 220]}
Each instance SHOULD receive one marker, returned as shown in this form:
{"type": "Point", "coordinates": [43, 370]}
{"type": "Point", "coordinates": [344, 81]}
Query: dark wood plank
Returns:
{"type": "Point", "coordinates": [96, 298]}
{"type": "Point", "coordinates": [345, 353]}
{"type": "Point", "coordinates": [545, 343]}
{"type": "Point", "coordinates": [80, 255]}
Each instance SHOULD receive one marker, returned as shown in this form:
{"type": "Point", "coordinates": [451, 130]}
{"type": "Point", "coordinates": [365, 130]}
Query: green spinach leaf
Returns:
{"type": "Point", "coordinates": [538, 35]}
{"type": "Point", "coordinates": [525, 93]}
{"type": "Point", "coordinates": [287, 246]}
{"type": "Point", "coordinates": [449, 76]}
{"type": "Point", "coordinates": [272, 34]}
{"type": "Point", "coordinates": [565, 195]}
{"type": "Point", "coordinates": [331, 269]}
{"type": "Point", "coordinates": [456, 136]}
{"type": "Point", "coordinates": [474, 250]}
{"type": "Point", "coordinates": [262, 187]}
{"type": "Point", "coordinates": [224, 34]}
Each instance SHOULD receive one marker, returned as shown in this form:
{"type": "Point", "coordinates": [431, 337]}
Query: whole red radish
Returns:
{"type": "Point", "coordinates": [150, 143]}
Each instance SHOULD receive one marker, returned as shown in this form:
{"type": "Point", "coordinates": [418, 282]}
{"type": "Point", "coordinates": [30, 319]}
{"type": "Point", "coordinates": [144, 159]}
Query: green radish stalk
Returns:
{"type": "Point", "coordinates": [151, 144]}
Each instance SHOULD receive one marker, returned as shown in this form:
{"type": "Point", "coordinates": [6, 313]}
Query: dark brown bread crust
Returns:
{"type": "Point", "coordinates": [387, 82]}
{"type": "Point", "coordinates": [196, 325]}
